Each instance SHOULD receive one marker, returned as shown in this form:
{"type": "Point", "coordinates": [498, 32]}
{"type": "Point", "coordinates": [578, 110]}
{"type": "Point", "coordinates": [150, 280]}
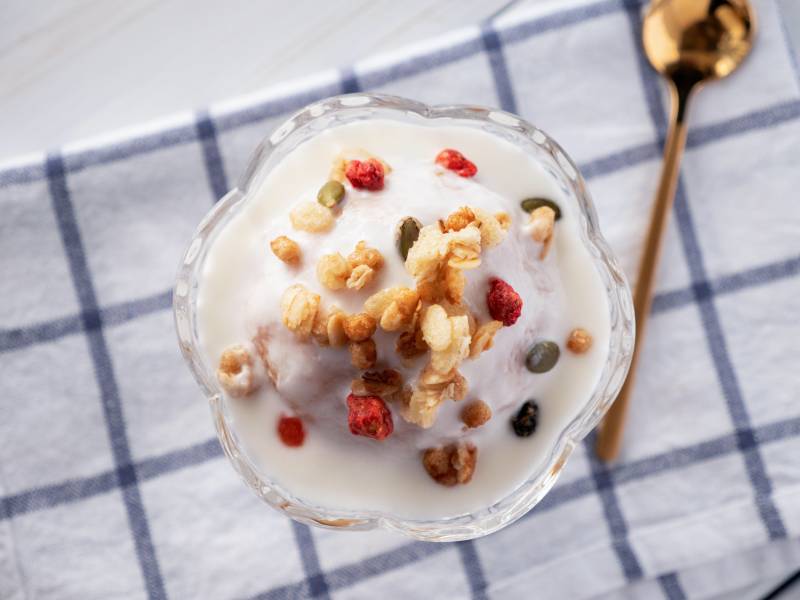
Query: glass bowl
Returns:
{"type": "Point", "coordinates": [353, 107]}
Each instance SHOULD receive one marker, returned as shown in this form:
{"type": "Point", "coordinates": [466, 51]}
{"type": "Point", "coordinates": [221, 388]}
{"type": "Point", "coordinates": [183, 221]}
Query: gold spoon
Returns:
{"type": "Point", "coordinates": [689, 42]}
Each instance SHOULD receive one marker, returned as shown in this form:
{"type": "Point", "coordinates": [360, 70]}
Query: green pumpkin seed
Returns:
{"type": "Point", "coordinates": [407, 234]}
{"type": "Point", "coordinates": [531, 204]}
{"type": "Point", "coordinates": [542, 357]}
{"type": "Point", "coordinates": [330, 194]}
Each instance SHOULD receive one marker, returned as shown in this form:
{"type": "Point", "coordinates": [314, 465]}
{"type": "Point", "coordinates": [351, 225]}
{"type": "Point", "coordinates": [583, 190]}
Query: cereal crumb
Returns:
{"type": "Point", "coordinates": [299, 307]}
{"type": "Point", "coordinates": [541, 225]}
{"type": "Point", "coordinates": [476, 413]}
{"type": "Point", "coordinates": [483, 339]}
{"type": "Point", "coordinates": [311, 217]}
{"type": "Point", "coordinates": [333, 271]}
{"type": "Point", "coordinates": [286, 249]}
{"type": "Point", "coordinates": [452, 464]}
{"type": "Point", "coordinates": [359, 327]}
{"type": "Point", "coordinates": [385, 383]}
{"type": "Point", "coordinates": [364, 255]}
{"type": "Point", "coordinates": [459, 219]}
{"type": "Point", "coordinates": [235, 371]}
{"type": "Point", "coordinates": [335, 328]}
{"type": "Point", "coordinates": [363, 355]}
{"type": "Point", "coordinates": [261, 343]}
{"type": "Point", "coordinates": [503, 219]}
{"type": "Point", "coordinates": [360, 277]}
{"type": "Point", "coordinates": [579, 341]}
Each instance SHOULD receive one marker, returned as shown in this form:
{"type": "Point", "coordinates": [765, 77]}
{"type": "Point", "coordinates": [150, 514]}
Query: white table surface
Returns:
{"type": "Point", "coordinates": [72, 69]}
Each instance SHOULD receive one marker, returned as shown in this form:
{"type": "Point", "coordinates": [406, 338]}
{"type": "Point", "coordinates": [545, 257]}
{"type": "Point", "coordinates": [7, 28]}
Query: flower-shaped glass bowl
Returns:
{"type": "Point", "coordinates": [345, 109]}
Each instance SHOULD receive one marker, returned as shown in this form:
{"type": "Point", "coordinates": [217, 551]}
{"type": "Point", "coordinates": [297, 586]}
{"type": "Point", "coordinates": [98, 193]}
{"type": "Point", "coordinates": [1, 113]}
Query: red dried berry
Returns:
{"type": "Point", "coordinates": [369, 416]}
{"type": "Point", "coordinates": [291, 432]}
{"type": "Point", "coordinates": [504, 303]}
{"type": "Point", "coordinates": [367, 174]}
{"type": "Point", "coordinates": [455, 161]}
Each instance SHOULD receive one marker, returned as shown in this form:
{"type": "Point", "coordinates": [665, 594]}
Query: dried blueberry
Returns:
{"type": "Point", "coordinates": [531, 204]}
{"type": "Point", "coordinates": [542, 357]}
{"type": "Point", "coordinates": [526, 420]}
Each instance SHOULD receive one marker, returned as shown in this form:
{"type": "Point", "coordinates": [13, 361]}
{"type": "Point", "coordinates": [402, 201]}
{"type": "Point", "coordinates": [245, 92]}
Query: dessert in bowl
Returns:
{"type": "Point", "coordinates": [404, 316]}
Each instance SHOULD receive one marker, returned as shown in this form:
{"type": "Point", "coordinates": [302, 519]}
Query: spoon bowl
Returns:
{"type": "Point", "coordinates": [709, 38]}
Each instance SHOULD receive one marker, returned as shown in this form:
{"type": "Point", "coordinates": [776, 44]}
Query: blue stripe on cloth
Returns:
{"type": "Point", "coordinates": [787, 41]}
{"type": "Point", "coordinates": [671, 587]}
{"type": "Point", "coordinates": [212, 157]}
{"type": "Point", "coordinates": [315, 578]}
{"type": "Point", "coordinates": [347, 575]}
{"type": "Point", "coordinates": [104, 374]}
{"type": "Point", "coordinates": [708, 313]}
{"type": "Point", "coordinates": [499, 67]}
{"type": "Point", "coordinates": [75, 490]}
{"type": "Point", "coordinates": [349, 83]}
{"type": "Point", "coordinates": [727, 284]}
{"type": "Point", "coordinates": [115, 314]}
{"type": "Point", "coordinates": [726, 373]}
{"type": "Point", "coordinates": [473, 568]}
{"type": "Point", "coordinates": [604, 484]}
{"type": "Point", "coordinates": [43, 498]}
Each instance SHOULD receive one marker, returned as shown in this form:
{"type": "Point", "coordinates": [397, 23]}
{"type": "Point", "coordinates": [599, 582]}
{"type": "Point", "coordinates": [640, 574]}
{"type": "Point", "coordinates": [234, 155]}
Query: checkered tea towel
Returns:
{"type": "Point", "coordinates": [112, 484]}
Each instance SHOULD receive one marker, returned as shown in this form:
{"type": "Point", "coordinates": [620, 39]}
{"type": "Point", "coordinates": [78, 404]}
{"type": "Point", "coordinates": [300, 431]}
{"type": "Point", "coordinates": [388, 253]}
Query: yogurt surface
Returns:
{"type": "Point", "coordinates": [242, 284]}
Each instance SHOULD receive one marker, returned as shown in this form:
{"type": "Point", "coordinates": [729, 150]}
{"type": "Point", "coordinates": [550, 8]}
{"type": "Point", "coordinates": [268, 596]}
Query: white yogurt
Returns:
{"type": "Point", "coordinates": [242, 283]}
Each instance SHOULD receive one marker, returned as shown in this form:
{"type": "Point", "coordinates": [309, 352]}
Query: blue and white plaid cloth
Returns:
{"type": "Point", "coordinates": [112, 484]}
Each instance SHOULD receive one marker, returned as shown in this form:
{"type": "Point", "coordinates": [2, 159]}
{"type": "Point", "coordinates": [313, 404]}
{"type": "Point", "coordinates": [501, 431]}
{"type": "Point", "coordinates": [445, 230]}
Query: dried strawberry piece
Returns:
{"type": "Point", "coordinates": [369, 416]}
{"type": "Point", "coordinates": [291, 431]}
{"type": "Point", "coordinates": [455, 161]}
{"type": "Point", "coordinates": [505, 305]}
{"type": "Point", "coordinates": [367, 174]}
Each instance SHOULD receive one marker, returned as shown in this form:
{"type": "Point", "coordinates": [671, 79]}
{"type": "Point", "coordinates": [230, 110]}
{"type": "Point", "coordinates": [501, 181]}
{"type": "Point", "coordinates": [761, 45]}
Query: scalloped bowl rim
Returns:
{"type": "Point", "coordinates": [513, 506]}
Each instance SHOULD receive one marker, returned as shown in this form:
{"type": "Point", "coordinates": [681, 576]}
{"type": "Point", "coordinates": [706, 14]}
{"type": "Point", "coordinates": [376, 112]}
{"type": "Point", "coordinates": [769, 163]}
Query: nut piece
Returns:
{"type": "Point", "coordinates": [410, 344]}
{"type": "Point", "coordinates": [448, 359]}
{"type": "Point", "coordinates": [360, 276]}
{"type": "Point", "coordinates": [319, 330]}
{"type": "Point", "coordinates": [333, 271]}
{"type": "Point", "coordinates": [454, 283]}
{"type": "Point", "coordinates": [579, 341]}
{"type": "Point", "coordinates": [363, 355]}
{"type": "Point", "coordinates": [311, 217]}
{"type": "Point", "coordinates": [476, 413]}
{"type": "Point", "coordinates": [384, 383]}
{"type": "Point", "coordinates": [235, 372]}
{"type": "Point", "coordinates": [541, 227]}
{"type": "Point", "coordinates": [364, 255]}
{"type": "Point", "coordinates": [395, 308]}
{"type": "Point", "coordinates": [299, 307]}
{"type": "Point", "coordinates": [359, 327]}
{"type": "Point", "coordinates": [335, 328]}
{"type": "Point", "coordinates": [285, 249]}
{"type": "Point", "coordinates": [484, 338]}
{"type": "Point", "coordinates": [433, 388]}
{"type": "Point", "coordinates": [436, 328]}
{"type": "Point", "coordinates": [452, 464]}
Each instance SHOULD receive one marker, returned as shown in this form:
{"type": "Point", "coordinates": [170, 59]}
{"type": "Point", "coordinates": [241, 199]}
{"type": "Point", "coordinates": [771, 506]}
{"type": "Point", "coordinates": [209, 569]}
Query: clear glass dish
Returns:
{"type": "Point", "coordinates": [343, 109]}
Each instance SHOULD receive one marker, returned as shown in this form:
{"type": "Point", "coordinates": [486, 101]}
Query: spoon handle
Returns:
{"type": "Point", "coordinates": [609, 437]}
